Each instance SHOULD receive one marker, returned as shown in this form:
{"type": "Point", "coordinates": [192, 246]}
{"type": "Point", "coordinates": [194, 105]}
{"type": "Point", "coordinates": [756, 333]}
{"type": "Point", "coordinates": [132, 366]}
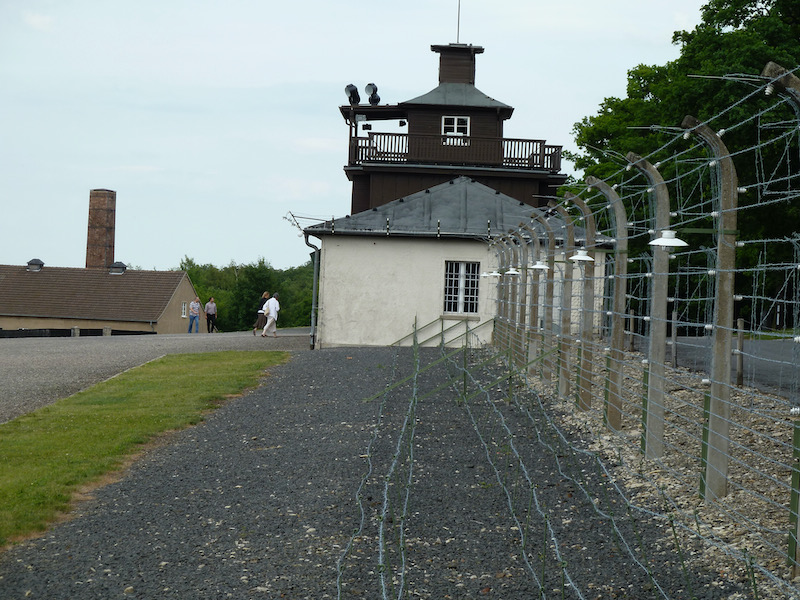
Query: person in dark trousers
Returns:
{"type": "Point", "coordinates": [261, 320]}
{"type": "Point", "coordinates": [211, 315]}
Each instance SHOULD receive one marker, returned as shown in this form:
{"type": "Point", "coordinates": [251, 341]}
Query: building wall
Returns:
{"type": "Point", "coordinates": [171, 320]}
{"type": "Point", "coordinates": [372, 290]}
{"type": "Point", "coordinates": [14, 323]}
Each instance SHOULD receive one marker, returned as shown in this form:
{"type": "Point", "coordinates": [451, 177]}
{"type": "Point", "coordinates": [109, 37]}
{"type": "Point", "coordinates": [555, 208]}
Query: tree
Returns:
{"type": "Point", "coordinates": [734, 37]}
{"type": "Point", "coordinates": [237, 289]}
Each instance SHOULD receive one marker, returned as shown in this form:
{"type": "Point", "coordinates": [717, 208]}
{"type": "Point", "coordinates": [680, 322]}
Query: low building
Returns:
{"type": "Point", "coordinates": [95, 301]}
{"type": "Point", "coordinates": [105, 298]}
{"type": "Point", "coordinates": [416, 262]}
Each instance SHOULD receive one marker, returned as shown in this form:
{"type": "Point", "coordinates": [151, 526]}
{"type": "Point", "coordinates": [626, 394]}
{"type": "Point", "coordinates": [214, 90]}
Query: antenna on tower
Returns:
{"type": "Point", "coordinates": [458, 24]}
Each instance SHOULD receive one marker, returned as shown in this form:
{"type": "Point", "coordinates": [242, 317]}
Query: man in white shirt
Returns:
{"type": "Point", "coordinates": [271, 308]}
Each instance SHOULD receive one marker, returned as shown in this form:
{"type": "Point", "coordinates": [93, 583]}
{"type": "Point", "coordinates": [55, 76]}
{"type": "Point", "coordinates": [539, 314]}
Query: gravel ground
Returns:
{"type": "Point", "coordinates": [302, 489]}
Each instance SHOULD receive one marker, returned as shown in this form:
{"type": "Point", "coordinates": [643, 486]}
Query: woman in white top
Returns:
{"type": "Point", "coordinates": [271, 308]}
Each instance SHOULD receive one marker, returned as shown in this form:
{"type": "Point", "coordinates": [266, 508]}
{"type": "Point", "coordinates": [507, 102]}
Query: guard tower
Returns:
{"type": "Point", "coordinates": [453, 130]}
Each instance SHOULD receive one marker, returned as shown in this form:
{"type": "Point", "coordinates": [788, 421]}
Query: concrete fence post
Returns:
{"type": "Point", "coordinates": [614, 404]}
{"type": "Point", "coordinates": [654, 421]}
{"type": "Point", "coordinates": [565, 343]}
{"type": "Point", "coordinates": [716, 476]}
{"type": "Point", "coordinates": [585, 374]}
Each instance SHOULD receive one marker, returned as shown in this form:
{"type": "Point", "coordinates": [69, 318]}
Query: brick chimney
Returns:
{"type": "Point", "coordinates": [457, 62]}
{"type": "Point", "coordinates": [100, 239]}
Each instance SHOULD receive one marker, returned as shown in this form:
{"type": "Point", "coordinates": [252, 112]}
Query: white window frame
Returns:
{"type": "Point", "coordinates": [455, 130]}
{"type": "Point", "coordinates": [183, 310]}
{"type": "Point", "coordinates": [461, 287]}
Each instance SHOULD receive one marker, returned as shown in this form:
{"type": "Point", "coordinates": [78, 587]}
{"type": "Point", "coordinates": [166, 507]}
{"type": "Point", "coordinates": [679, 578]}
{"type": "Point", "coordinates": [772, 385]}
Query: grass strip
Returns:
{"type": "Point", "coordinates": [47, 455]}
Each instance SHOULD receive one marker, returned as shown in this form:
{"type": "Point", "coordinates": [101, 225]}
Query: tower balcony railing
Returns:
{"type": "Point", "coordinates": [507, 153]}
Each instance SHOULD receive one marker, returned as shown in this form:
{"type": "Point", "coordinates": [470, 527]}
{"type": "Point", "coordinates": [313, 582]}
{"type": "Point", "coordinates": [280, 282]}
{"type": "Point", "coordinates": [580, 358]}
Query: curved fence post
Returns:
{"type": "Point", "coordinates": [614, 405]}
{"type": "Point", "coordinates": [565, 333]}
{"type": "Point", "coordinates": [716, 473]}
{"type": "Point", "coordinates": [654, 418]}
{"type": "Point", "coordinates": [585, 375]}
{"type": "Point", "coordinates": [547, 317]}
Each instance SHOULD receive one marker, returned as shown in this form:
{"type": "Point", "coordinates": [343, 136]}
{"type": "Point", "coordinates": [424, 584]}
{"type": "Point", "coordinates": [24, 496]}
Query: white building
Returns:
{"type": "Point", "coordinates": [415, 262]}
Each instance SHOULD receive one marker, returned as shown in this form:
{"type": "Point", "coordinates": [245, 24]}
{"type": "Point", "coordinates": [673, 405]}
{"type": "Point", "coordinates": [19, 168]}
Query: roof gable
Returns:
{"type": "Point", "coordinates": [459, 208]}
{"type": "Point", "coordinates": [56, 292]}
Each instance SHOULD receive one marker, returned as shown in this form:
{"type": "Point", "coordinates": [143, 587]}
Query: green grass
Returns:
{"type": "Point", "coordinates": [47, 455]}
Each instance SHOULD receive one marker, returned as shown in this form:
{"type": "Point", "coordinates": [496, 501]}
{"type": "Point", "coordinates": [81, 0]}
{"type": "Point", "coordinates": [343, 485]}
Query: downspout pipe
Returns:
{"type": "Point", "coordinates": [315, 258]}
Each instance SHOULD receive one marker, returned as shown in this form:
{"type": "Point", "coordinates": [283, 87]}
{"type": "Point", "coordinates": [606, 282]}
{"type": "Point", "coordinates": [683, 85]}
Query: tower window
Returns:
{"type": "Point", "coordinates": [455, 130]}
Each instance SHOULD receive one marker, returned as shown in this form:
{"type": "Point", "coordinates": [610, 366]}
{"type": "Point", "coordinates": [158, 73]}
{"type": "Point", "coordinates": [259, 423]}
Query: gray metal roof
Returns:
{"type": "Point", "coordinates": [459, 94]}
{"type": "Point", "coordinates": [460, 208]}
{"type": "Point", "coordinates": [69, 293]}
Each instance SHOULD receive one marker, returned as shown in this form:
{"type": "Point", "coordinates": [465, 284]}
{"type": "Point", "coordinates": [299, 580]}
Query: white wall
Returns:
{"type": "Point", "coordinates": [372, 289]}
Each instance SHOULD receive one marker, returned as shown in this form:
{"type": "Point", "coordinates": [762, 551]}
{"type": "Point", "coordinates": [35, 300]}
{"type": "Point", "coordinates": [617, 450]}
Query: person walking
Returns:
{"type": "Point", "coordinates": [261, 318]}
{"type": "Point", "coordinates": [271, 309]}
{"type": "Point", "coordinates": [211, 315]}
{"type": "Point", "coordinates": [194, 314]}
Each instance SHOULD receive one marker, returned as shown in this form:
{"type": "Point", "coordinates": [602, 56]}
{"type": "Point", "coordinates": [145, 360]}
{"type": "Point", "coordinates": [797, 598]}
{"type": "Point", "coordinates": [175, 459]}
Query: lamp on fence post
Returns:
{"type": "Point", "coordinates": [495, 274]}
{"type": "Point", "coordinates": [523, 291]}
{"type": "Point", "coordinates": [547, 317]}
{"type": "Point", "coordinates": [586, 257]}
{"type": "Point", "coordinates": [502, 289]}
{"type": "Point", "coordinates": [565, 346]}
{"type": "Point", "coordinates": [654, 419]}
{"type": "Point", "coordinates": [614, 407]}
{"type": "Point", "coordinates": [716, 473]}
{"type": "Point", "coordinates": [519, 253]}
{"type": "Point", "coordinates": [505, 289]}
{"type": "Point", "coordinates": [533, 312]}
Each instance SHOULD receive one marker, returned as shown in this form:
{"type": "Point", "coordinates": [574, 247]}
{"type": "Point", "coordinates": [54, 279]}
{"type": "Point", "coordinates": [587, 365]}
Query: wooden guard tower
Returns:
{"type": "Point", "coordinates": [453, 130]}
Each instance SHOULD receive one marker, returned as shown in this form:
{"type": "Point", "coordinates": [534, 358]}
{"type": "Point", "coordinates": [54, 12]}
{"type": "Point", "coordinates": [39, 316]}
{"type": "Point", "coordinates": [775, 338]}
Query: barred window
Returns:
{"type": "Point", "coordinates": [461, 286]}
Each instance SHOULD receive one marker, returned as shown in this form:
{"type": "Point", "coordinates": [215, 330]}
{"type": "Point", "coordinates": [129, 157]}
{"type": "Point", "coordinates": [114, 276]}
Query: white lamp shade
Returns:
{"type": "Point", "coordinates": [668, 239]}
{"type": "Point", "coordinates": [582, 256]}
{"type": "Point", "coordinates": [540, 265]}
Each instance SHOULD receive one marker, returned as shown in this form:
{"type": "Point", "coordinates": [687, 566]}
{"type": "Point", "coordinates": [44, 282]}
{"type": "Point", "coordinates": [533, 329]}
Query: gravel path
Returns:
{"type": "Point", "coordinates": [283, 493]}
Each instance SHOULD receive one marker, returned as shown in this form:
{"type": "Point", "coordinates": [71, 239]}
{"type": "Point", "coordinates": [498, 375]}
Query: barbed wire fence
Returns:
{"type": "Point", "coordinates": [650, 349]}
{"type": "Point", "coordinates": [668, 322]}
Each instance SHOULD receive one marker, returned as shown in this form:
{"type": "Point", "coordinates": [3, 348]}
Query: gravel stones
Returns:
{"type": "Point", "coordinates": [283, 493]}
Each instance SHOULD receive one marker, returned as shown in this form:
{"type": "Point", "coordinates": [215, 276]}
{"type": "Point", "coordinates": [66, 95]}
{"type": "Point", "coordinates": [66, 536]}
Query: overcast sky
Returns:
{"type": "Point", "coordinates": [212, 120]}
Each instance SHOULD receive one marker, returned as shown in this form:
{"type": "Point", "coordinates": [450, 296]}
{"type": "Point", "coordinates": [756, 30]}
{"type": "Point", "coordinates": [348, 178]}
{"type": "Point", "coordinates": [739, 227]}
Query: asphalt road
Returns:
{"type": "Point", "coordinates": [35, 372]}
{"type": "Point", "coordinates": [769, 365]}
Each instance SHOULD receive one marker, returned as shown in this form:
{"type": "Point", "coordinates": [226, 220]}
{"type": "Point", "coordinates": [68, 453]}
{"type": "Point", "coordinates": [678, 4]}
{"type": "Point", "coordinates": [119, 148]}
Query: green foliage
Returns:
{"type": "Point", "coordinates": [48, 454]}
{"type": "Point", "coordinates": [734, 37]}
{"type": "Point", "coordinates": [237, 289]}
